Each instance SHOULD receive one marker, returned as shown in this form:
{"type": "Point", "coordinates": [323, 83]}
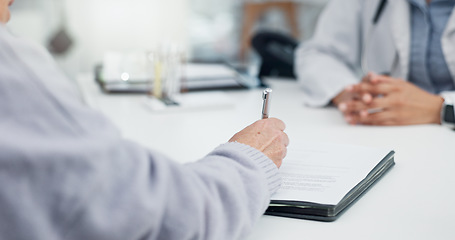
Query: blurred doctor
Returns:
{"type": "Point", "coordinates": [382, 62]}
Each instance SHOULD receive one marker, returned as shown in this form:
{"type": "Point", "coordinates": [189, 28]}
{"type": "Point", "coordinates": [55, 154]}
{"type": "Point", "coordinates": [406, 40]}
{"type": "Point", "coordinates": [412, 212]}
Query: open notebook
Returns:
{"type": "Point", "coordinates": [321, 180]}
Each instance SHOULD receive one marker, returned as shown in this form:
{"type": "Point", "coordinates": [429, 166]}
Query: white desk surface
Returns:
{"type": "Point", "coordinates": [415, 200]}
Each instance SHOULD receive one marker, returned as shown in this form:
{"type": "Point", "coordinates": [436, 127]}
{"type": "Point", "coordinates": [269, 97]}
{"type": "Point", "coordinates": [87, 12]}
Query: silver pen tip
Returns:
{"type": "Point", "coordinates": [266, 92]}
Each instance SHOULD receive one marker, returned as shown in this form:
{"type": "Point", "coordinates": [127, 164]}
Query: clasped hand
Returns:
{"type": "Point", "coordinates": [383, 100]}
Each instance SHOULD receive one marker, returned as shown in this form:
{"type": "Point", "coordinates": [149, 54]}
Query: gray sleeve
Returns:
{"type": "Point", "coordinates": [66, 172]}
{"type": "Point", "coordinates": [330, 61]}
{"type": "Point", "coordinates": [218, 197]}
{"type": "Point", "coordinates": [115, 189]}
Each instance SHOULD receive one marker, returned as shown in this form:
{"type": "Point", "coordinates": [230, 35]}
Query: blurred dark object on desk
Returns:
{"type": "Point", "coordinates": [195, 77]}
{"type": "Point", "coordinates": [277, 54]}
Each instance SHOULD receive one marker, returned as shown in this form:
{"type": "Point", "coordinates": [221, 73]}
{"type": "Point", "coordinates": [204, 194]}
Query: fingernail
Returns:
{"type": "Point", "coordinates": [348, 119]}
{"type": "Point", "coordinates": [349, 88]}
{"type": "Point", "coordinates": [364, 114]}
{"type": "Point", "coordinates": [342, 107]}
{"type": "Point", "coordinates": [367, 98]}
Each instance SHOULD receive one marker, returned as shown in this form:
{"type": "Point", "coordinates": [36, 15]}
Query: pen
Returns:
{"type": "Point", "coordinates": [266, 96]}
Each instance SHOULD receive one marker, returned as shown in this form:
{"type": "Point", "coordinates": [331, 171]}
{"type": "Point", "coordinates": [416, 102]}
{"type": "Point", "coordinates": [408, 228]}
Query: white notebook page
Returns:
{"type": "Point", "coordinates": [324, 173]}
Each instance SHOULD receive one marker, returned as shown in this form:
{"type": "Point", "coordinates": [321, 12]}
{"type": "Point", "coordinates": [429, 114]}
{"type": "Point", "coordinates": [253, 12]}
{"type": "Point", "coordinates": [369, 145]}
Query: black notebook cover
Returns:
{"type": "Point", "coordinates": [329, 213]}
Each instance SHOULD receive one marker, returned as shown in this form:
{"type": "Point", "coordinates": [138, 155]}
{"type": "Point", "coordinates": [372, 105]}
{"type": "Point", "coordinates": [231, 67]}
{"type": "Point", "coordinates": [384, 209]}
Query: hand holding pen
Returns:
{"type": "Point", "coordinates": [266, 135]}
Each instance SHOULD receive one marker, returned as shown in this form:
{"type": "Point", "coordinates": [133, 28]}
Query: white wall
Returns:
{"type": "Point", "coordinates": [98, 26]}
{"type": "Point", "coordinates": [124, 25]}
{"type": "Point", "coordinates": [211, 28]}
{"type": "Point", "coordinates": [215, 26]}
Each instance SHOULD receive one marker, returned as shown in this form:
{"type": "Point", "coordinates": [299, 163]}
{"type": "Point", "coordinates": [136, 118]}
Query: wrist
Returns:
{"type": "Point", "coordinates": [341, 97]}
{"type": "Point", "coordinates": [259, 159]}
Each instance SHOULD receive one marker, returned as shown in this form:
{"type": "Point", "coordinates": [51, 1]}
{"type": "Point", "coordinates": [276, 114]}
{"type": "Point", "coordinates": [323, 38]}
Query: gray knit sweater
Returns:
{"type": "Point", "coordinates": [67, 173]}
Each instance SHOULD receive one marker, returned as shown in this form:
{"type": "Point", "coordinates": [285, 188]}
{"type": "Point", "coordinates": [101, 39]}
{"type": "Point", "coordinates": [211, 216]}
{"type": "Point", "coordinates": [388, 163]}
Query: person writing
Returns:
{"type": "Point", "coordinates": [403, 48]}
{"type": "Point", "coordinates": [66, 172]}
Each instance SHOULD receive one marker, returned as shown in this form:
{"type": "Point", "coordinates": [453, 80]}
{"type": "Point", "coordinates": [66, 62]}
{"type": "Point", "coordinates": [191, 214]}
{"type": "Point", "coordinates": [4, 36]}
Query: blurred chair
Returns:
{"type": "Point", "coordinates": [277, 54]}
{"type": "Point", "coordinates": [254, 9]}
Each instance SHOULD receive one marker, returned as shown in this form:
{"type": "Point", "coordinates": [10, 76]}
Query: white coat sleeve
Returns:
{"type": "Point", "coordinates": [329, 62]}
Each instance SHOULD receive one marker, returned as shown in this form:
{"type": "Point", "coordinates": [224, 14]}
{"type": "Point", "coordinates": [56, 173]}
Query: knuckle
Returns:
{"type": "Point", "coordinates": [261, 123]}
{"type": "Point", "coordinates": [399, 117]}
{"type": "Point", "coordinates": [286, 139]}
{"type": "Point", "coordinates": [401, 102]}
{"type": "Point", "coordinates": [278, 123]}
{"type": "Point", "coordinates": [352, 107]}
{"type": "Point", "coordinates": [284, 153]}
{"type": "Point", "coordinates": [283, 136]}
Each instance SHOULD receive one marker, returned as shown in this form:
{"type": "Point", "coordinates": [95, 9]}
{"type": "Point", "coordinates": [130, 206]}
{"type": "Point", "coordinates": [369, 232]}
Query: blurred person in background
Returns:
{"type": "Point", "coordinates": [382, 62]}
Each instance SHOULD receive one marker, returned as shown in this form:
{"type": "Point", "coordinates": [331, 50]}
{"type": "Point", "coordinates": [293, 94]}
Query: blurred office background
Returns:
{"type": "Point", "coordinates": [208, 30]}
